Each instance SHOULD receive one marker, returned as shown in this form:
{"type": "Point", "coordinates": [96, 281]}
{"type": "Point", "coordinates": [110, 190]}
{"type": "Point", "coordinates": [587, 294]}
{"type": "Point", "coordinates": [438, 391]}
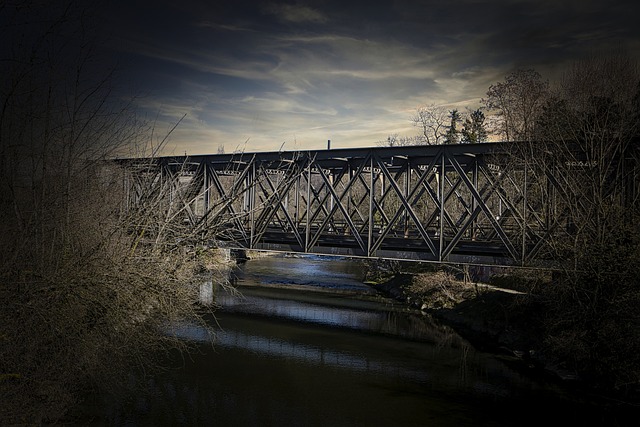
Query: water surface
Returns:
{"type": "Point", "coordinates": [286, 354]}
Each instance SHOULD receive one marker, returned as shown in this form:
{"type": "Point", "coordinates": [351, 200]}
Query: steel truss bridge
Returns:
{"type": "Point", "coordinates": [446, 203]}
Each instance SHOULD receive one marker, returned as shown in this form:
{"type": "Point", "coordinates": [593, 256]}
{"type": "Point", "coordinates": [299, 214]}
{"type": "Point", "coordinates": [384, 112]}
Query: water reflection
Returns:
{"type": "Point", "coordinates": [334, 311]}
{"type": "Point", "coordinates": [290, 357]}
{"type": "Point", "coordinates": [300, 353]}
{"type": "Point", "coordinates": [296, 310]}
{"type": "Point", "coordinates": [265, 371]}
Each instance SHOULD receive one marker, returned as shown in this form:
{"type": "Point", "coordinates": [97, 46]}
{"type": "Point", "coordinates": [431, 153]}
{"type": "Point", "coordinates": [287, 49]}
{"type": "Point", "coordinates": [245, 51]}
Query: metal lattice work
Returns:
{"type": "Point", "coordinates": [449, 203]}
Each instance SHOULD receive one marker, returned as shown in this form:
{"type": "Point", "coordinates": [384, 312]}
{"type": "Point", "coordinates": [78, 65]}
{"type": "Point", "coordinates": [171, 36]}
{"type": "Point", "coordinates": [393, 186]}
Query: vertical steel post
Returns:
{"type": "Point", "coordinates": [252, 194]}
{"type": "Point", "coordinates": [406, 195]}
{"type": "Point", "coordinates": [371, 204]}
{"type": "Point", "coordinates": [524, 215]}
{"type": "Point", "coordinates": [331, 199]}
{"type": "Point", "coordinates": [474, 226]}
{"type": "Point", "coordinates": [207, 187]}
{"type": "Point", "coordinates": [441, 197]}
{"type": "Point", "coordinates": [308, 230]}
{"type": "Point", "coordinates": [296, 214]}
{"type": "Point", "coordinates": [350, 172]}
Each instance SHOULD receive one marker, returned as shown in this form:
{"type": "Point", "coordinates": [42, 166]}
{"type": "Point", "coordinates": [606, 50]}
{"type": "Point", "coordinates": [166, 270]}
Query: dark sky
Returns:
{"type": "Point", "coordinates": [300, 73]}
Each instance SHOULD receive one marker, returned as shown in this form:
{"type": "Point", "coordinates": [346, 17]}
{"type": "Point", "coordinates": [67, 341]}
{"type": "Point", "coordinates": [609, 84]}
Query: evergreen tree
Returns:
{"type": "Point", "coordinates": [453, 134]}
{"type": "Point", "coordinates": [474, 131]}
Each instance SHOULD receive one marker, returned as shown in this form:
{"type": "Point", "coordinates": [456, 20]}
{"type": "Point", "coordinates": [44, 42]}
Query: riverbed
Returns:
{"type": "Point", "coordinates": [305, 343]}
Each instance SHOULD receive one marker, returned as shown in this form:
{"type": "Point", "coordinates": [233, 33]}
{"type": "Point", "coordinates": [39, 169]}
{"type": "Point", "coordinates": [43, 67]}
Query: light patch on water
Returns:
{"type": "Point", "coordinates": [273, 347]}
{"type": "Point", "coordinates": [301, 311]}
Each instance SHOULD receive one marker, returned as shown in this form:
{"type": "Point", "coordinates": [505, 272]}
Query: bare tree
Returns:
{"type": "Point", "coordinates": [584, 166]}
{"type": "Point", "coordinates": [432, 121]}
{"type": "Point", "coordinates": [517, 102]}
{"type": "Point", "coordinates": [586, 138]}
{"type": "Point", "coordinates": [396, 140]}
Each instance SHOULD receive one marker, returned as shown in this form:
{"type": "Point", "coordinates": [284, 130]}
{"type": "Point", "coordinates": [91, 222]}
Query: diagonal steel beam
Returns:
{"type": "Point", "coordinates": [472, 217]}
{"type": "Point", "coordinates": [339, 206]}
{"type": "Point", "coordinates": [407, 206]}
{"type": "Point", "coordinates": [419, 188]}
{"type": "Point", "coordinates": [503, 236]}
{"type": "Point", "coordinates": [272, 206]}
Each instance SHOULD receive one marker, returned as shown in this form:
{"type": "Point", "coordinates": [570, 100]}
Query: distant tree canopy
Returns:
{"type": "Point", "coordinates": [516, 102]}
{"type": "Point", "coordinates": [441, 126]}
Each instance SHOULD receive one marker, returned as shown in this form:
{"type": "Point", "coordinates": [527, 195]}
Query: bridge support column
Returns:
{"type": "Point", "coordinates": [441, 200]}
{"type": "Point", "coordinates": [307, 240]}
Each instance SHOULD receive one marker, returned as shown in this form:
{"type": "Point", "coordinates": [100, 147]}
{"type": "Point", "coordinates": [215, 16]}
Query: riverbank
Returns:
{"type": "Point", "coordinates": [504, 314]}
{"type": "Point", "coordinates": [506, 322]}
{"type": "Point", "coordinates": [484, 313]}
{"type": "Point", "coordinates": [495, 316]}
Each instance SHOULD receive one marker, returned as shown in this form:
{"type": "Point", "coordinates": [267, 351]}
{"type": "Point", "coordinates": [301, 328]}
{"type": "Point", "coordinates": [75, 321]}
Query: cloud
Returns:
{"type": "Point", "coordinates": [353, 72]}
{"type": "Point", "coordinates": [342, 89]}
{"type": "Point", "coordinates": [295, 13]}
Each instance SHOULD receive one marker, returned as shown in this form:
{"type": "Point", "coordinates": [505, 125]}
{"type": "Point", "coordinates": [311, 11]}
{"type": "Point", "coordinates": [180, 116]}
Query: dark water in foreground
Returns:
{"type": "Point", "coordinates": [288, 356]}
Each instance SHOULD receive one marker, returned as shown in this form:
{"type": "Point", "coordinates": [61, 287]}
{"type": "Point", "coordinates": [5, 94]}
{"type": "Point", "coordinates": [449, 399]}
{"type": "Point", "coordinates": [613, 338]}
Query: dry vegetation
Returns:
{"type": "Point", "coordinates": [87, 287]}
{"type": "Point", "coordinates": [440, 289]}
{"type": "Point", "coordinates": [84, 299]}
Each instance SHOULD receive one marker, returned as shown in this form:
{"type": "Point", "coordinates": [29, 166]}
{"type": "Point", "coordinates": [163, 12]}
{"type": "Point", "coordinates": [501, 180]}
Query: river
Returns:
{"type": "Point", "coordinates": [307, 344]}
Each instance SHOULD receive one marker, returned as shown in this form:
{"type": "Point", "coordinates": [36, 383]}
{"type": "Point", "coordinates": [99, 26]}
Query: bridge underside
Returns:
{"type": "Point", "coordinates": [447, 203]}
{"type": "Point", "coordinates": [405, 249]}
